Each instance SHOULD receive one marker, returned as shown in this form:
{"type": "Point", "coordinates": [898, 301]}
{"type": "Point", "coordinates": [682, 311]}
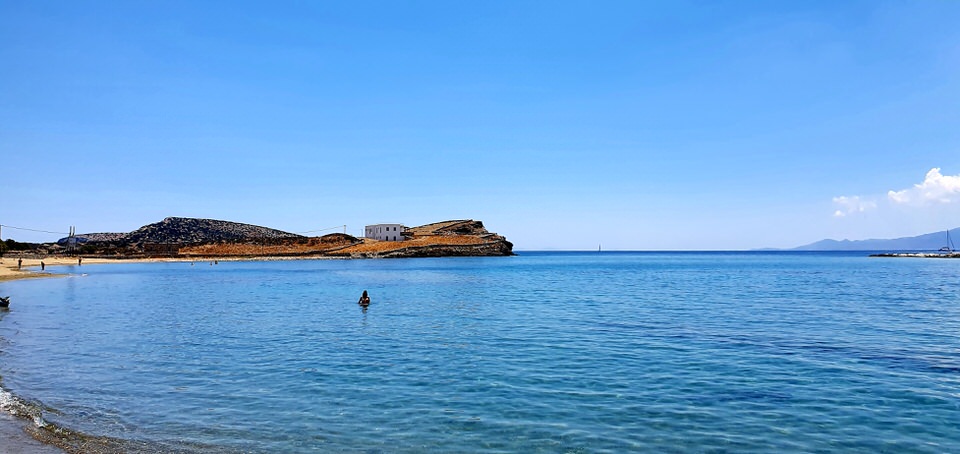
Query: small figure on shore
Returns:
{"type": "Point", "coordinates": [364, 299]}
{"type": "Point", "coordinates": [19, 264]}
{"type": "Point", "coordinates": [79, 261]}
{"type": "Point", "coordinates": [43, 266]}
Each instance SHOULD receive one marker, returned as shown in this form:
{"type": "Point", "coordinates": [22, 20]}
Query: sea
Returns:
{"type": "Point", "coordinates": [553, 352]}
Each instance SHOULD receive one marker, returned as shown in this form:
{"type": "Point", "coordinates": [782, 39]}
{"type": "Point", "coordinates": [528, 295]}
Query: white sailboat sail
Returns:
{"type": "Point", "coordinates": [949, 247]}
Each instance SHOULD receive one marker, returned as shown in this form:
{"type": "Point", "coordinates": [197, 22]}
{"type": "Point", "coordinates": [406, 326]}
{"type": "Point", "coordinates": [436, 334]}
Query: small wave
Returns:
{"type": "Point", "coordinates": [75, 441]}
{"type": "Point", "coordinates": [52, 434]}
{"type": "Point", "coordinates": [21, 408]}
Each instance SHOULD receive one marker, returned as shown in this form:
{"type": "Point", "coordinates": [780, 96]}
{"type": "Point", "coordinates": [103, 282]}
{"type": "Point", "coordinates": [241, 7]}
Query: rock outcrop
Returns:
{"type": "Point", "coordinates": [95, 238]}
{"type": "Point", "coordinates": [167, 236]}
{"type": "Point", "coordinates": [447, 228]}
{"type": "Point", "coordinates": [439, 239]}
{"type": "Point", "coordinates": [187, 231]}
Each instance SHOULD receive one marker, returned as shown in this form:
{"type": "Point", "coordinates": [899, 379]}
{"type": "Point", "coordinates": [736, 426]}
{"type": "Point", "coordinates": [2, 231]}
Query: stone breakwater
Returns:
{"type": "Point", "coordinates": [929, 255]}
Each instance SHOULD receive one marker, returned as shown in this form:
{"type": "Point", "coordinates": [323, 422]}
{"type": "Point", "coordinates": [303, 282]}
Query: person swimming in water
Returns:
{"type": "Point", "coordinates": [364, 299]}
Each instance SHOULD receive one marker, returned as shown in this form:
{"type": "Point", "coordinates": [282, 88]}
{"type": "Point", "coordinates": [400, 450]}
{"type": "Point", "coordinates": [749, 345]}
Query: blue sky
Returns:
{"type": "Point", "coordinates": [562, 125]}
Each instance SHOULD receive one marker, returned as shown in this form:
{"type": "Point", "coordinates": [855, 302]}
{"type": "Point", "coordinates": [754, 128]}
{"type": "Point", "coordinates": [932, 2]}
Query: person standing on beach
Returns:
{"type": "Point", "coordinates": [19, 263]}
{"type": "Point", "coordinates": [79, 261]}
{"type": "Point", "coordinates": [43, 266]}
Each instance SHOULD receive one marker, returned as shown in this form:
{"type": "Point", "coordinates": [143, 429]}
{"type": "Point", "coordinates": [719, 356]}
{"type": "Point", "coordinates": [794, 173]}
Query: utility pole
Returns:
{"type": "Point", "coordinates": [72, 239]}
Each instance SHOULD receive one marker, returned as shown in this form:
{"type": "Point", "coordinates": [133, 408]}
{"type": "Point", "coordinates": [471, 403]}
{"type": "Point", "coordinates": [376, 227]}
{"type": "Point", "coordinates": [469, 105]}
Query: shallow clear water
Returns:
{"type": "Point", "coordinates": [544, 352]}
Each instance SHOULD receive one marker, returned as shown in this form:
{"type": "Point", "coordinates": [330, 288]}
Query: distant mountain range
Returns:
{"type": "Point", "coordinates": [928, 242]}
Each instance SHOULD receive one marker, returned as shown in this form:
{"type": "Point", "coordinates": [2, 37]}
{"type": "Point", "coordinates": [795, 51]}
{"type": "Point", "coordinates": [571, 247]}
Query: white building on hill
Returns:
{"type": "Point", "coordinates": [385, 232]}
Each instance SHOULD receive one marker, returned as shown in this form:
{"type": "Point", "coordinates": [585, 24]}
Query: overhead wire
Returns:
{"type": "Point", "coordinates": [33, 230]}
{"type": "Point", "coordinates": [67, 233]}
{"type": "Point", "coordinates": [324, 230]}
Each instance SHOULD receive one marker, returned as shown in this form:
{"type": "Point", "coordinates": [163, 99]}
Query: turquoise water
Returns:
{"type": "Point", "coordinates": [543, 352]}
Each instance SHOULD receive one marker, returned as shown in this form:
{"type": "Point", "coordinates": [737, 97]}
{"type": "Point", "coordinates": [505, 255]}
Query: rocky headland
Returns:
{"type": "Point", "coordinates": [177, 237]}
{"type": "Point", "coordinates": [441, 239]}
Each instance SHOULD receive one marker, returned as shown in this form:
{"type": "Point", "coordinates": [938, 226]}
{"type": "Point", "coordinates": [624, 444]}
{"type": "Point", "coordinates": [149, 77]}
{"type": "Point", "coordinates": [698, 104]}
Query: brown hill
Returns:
{"type": "Point", "coordinates": [201, 231]}
{"type": "Point", "coordinates": [316, 246]}
{"type": "Point", "coordinates": [439, 239]}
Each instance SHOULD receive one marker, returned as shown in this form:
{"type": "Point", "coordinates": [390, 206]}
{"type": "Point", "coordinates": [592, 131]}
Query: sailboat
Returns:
{"type": "Point", "coordinates": [948, 249]}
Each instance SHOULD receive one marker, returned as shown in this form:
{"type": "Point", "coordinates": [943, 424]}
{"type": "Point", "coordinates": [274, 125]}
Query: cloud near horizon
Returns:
{"type": "Point", "coordinates": [936, 188]}
{"type": "Point", "coordinates": [852, 204]}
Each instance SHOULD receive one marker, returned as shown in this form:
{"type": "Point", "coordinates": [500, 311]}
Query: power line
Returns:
{"type": "Point", "coordinates": [324, 230]}
{"type": "Point", "coordinates": [32, 230]}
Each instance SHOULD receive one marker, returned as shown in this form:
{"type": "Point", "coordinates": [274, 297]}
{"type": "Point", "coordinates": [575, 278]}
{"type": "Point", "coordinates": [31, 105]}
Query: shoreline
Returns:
{"type": "Point", "coordinates": [20, 433]}
{"type": "Point", "coordinates": [17, 437]}
{"type": "Point", "coordinates": [30, 268]}
{"type": "Point", "coordinates": [17, 430]}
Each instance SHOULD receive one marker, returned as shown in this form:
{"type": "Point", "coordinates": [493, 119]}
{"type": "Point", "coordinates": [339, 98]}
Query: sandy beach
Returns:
{"type": "Point", "coordinates": [30, 268]}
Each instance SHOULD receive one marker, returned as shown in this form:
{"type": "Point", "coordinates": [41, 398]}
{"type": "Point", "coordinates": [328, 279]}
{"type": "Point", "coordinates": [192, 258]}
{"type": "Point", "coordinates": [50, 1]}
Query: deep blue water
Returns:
{"type": "Point", "coordinates": [543, 352]}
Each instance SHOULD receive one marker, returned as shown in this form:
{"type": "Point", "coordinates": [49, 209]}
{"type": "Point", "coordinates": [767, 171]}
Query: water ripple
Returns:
{"type": "Point", "coordinates": [539, 353]}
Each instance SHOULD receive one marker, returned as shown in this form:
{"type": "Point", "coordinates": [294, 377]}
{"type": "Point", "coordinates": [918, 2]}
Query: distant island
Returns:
{"type": "Point", "coordinates": [187, 238]}
{"type": "Point", "coordinates": [928, 243]}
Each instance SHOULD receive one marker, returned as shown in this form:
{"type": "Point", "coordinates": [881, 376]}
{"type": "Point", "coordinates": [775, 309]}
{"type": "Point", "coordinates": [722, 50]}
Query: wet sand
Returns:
{"type": "Point", "coordinates": [14, 439]}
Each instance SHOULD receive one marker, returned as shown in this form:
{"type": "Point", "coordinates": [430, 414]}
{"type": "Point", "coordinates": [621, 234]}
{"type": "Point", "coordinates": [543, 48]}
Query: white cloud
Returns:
{"type": "Point", "coordinates": [852, 204]}
{"type": "Point", "coordinates": [936, 188]}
